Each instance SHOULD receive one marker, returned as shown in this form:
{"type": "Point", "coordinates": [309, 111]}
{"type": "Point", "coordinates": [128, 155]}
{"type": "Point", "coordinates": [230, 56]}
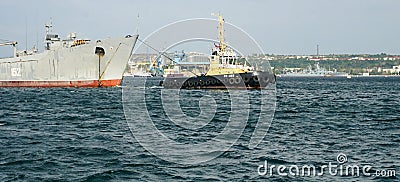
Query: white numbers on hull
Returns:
{"type": "Point", "coordinates": [229, 76]}
{"type": "Point", "coordinates": [15, 72]}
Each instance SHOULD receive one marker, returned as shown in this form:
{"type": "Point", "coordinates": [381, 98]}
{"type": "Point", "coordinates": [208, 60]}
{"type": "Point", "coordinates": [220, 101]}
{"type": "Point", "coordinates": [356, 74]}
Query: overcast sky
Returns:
{"type": "Point", "coordinates": [279, 26]}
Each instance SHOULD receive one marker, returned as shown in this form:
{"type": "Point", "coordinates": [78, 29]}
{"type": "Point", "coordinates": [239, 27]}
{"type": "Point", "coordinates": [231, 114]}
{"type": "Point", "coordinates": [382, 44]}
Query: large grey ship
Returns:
{"type": "Point", "coordinates": [317, 72]}
{"type": "Point", "coordinates": [71, 62]}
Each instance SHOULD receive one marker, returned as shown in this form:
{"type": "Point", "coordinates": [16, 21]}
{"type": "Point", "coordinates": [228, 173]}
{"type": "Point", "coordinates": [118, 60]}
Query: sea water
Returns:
{"type": "Point", "coordinates": [81, 134]}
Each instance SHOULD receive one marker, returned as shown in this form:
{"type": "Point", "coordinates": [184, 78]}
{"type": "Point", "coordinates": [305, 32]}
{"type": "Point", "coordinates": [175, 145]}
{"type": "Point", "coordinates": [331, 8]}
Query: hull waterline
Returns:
{"type": "Point", "coordinates": [78, 83]}
{"type": "Point", "coordinates": [232, 81]}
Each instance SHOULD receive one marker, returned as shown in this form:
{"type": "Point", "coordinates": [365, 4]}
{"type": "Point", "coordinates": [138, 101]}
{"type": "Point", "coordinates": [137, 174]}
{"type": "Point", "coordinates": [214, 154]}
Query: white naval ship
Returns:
{"type": "Point", "coordinates": [72, 62]}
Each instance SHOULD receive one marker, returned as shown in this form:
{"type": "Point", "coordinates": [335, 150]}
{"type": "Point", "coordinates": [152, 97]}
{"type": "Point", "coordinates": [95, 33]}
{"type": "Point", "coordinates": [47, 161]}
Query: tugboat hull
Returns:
{"type": "Point", "coordinates": [254, 80]}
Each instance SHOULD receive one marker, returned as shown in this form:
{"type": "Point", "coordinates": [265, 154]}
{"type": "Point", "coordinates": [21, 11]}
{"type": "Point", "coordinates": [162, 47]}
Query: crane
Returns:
{"type": "Point", "coordinates": [14, 44]}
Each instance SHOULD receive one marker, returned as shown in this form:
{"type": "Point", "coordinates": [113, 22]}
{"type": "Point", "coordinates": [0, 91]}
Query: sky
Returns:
{"type": "Point", "coordinates": [291, 27]}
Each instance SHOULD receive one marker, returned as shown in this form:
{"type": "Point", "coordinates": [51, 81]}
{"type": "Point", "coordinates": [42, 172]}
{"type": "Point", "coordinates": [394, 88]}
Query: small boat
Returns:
{"type": "Point", "coordinates": [227, 70]}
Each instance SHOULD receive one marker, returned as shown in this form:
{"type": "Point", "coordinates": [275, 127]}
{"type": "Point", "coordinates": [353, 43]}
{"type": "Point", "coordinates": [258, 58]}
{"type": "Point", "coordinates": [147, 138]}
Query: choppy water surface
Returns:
{"type": "Point", "coordinates": [81, 134]}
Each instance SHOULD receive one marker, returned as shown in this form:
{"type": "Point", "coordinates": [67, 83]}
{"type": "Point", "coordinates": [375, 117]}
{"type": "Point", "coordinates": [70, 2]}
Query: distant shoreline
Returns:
{"type": "Point", "coordinates": [352, 76]}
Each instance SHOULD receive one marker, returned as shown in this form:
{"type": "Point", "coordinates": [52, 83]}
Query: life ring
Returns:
{"type": "Point", "coordinates": [208, 82]}
{"type": "Point", "coordinates": [255, 78]}
{"type": "Point", "coordinates": [231, 81]}
{"type": "Point", "coordinates": [246, 79]}
{"type": "Point", "coordinates": [195, 83]}
{"type": "Point", "coordinates": [201, 83]}
{"type": "Point", "coordinates": [184, 84]}
{"type": "Point", "coordinates": [237, 80]}
{"type": "Point", "coordinates": [213, 81]}
{"type": "Point", "coordinates": [190, 84]}
{"type": "Point", "coordinates": [226, 80]}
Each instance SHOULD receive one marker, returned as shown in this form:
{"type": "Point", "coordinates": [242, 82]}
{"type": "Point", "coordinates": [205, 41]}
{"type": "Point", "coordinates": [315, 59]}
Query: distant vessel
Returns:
{"type": "Point", "coordinates": [317, 72]}
{"type": "Point", "coordinates": [145, 68]}
{"type": "Point", "coordinates": [138, 69]}
{"type": "Point", "coordinates": [142, 74]}
{"type": "Point", "coordinates": [227, 70]}
{"type": "Point", "coordinates": [138, 74]}
{"type": "Point", "coordinates": [71, 62]}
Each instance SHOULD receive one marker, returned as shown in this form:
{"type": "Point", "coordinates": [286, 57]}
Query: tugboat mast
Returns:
{"type": "Point", "coordinates": [222, 45]}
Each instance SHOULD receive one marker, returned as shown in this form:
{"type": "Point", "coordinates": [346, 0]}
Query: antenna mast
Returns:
{"type": "Point", "coordinates": [137, 26]}
{"type": "Point", "coordinates": [26, 33]}
{"type": "Point", "coordinates": [48, 26]}
{"type": "Point", "coordinates": [221, 32]}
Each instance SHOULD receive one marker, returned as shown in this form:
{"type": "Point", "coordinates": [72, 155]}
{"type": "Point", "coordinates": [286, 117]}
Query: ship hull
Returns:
{"type": "Point", "coordinates": [76, 83]}
{"type": "Point", "coordinates": [79, 66]}
{"type": "Point", "coordinates": [256, 80]}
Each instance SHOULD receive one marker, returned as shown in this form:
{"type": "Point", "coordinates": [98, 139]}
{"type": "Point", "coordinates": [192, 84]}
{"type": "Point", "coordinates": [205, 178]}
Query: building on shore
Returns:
{"type": "Point", "coordinates": [394, 71]}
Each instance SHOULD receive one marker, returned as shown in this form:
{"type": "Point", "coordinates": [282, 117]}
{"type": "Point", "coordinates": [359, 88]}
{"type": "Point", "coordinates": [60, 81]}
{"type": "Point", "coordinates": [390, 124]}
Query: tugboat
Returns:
{"type": "Point", "coordinates": [227, 71]}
